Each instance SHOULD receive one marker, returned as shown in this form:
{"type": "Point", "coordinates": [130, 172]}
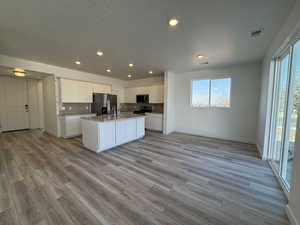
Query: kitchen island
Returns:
{"type": "Point", "coordinates": [100, 133]}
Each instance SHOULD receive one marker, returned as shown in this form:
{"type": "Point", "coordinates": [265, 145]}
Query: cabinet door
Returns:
{"type": "Point", "coordinates": [85, 92]}
{"type": "Point", "coordinates": [157, 123]}
{"type": "Point", "coordinates": [156, 94]}
{"type": "Point", "coordinates": [102, 88]}
{"type": "Point", "coordinates": [72, 126]}
{"type": "Point", "coordinates": [148, 122]}
{"type": "Point", "coordinates": [107, 135]}
{"type": "Point", "coordinates": [68, 91]}
{"type": "Point", "coordinates": [130, 95]}
{"type": "Point", "coordinates": [125, 130]}
{"type": "Point", "coordinates": [140, 127]}
{"type": "Point", "coordinates": [154, 122]}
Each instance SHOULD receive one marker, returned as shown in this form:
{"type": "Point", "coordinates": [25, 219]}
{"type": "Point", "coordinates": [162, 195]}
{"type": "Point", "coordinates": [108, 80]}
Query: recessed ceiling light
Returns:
{"type": "Point", "coordinates": [200, 56]}
{"type": "Point", "coordinates": [129, 75]}
{"type": "Point", "coordinates": [130, 65]}
{"type": "Point", "coordinates": [173, 22]}
{"type": "Point", "coordinates": [108, 70]}
{"type": "Point", "coordinates": [19, 70]}
{"type": "Point", "coordinates": [20, 74]}
{"type": "Point", "coordinates": [77, 62]}
{"type": "Point", "coordinates": [100, 53]}
{"type": "Point", "coordinates": [150, 71]}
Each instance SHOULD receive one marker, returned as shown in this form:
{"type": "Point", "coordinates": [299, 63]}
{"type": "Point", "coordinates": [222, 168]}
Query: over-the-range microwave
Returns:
{"type": "Point", "coordinates": [142, 99]}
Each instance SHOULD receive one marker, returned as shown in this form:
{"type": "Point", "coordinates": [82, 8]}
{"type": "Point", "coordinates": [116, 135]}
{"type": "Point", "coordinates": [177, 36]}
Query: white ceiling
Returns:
{"type": "Point", "coordinates": [7, 71]}
{"type": "Point", "coordinates": [58, 32]}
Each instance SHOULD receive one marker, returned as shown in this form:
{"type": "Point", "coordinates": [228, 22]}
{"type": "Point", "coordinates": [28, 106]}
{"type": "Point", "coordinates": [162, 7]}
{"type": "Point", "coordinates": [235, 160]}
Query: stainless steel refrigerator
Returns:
{"type": "Point", "coordinates": [104, 104]}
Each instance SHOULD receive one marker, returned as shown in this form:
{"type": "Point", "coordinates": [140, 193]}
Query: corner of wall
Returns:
{"type": "Point", "coordinates": [169, 118]}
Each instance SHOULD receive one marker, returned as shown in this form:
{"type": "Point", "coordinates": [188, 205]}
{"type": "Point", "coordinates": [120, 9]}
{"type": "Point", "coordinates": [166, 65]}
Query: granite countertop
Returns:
{"type": "Point", "coordinates": [105, 118]}
{"type": "Point", "coordinates": [76, 114]}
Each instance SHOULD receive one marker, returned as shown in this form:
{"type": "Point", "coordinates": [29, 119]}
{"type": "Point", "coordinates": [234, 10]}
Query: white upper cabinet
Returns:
{"type": "Point", "coordinates": [85, 92]}
{"type": "Point", "coordinates": [101, 88]}
{"type": "Point", "coordinates": [68, 90]}
{"type": "Point", "coordinates": [73, 91]}
{"type": "Point", "coordinates": [155, 92]}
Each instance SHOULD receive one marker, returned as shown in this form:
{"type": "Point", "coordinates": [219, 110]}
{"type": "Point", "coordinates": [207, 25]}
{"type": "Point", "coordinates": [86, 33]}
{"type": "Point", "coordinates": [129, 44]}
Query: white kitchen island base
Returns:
{"type": "Point", "coordinates": [105, 132]}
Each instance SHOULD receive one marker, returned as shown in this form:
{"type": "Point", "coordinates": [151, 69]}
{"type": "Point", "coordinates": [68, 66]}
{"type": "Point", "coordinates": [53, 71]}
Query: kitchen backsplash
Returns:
{"type": "Point", "coordinates": [75, 108]}
{"type": "Point", "coordinates": [130, 107]}
{"type": "Point", "coordinates": [85, 108]}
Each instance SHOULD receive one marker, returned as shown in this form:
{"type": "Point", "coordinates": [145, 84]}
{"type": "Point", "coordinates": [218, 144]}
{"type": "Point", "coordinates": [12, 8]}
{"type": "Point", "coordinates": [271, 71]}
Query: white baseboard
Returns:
{"type": "Point", "coordinates": [291, 215]}
{"type": "Point", "coordinates": [280, 180]}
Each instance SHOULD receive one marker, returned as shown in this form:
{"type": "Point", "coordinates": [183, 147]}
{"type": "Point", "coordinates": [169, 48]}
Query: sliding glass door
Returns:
{"type": "Point", "coordinates": [286, 103]}
{"type": "Point", "coordinates": [281, 87]}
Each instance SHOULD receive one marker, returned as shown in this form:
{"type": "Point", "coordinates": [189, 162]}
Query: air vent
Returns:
{"type": "Point", "coordinates": [256, 33]}
{"type": "Point", "coordinates": [204, 63]}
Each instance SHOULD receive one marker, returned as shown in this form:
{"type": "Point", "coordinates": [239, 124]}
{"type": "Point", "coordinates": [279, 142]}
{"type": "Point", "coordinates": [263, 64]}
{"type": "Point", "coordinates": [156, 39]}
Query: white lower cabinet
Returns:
{"type": "Point", "coordinates": [140, 127]}
{"type": "Point", "coordinates": [154, 121]}
{"type": "Point", "coordinates": [107, 135]}
{"type": "Point", "coordinates": [101, 136]}
{"type": "Point", "coordinates": [71, 125]}
{"type": "Point", "coordinates": [126, 130]}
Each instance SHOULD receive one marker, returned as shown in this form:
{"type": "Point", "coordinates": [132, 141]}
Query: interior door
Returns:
{"type": "Point", "coordinates": [15, 102]}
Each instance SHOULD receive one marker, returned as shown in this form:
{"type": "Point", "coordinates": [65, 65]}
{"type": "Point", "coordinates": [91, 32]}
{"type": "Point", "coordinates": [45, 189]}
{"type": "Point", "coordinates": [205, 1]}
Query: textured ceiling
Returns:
{"type": "Point", "coordinates": [58, 32]}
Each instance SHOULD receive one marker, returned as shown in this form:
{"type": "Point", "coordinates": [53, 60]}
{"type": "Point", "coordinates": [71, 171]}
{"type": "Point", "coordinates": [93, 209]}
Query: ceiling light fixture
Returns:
{"type": "Point", "coordinates": [200, 56]}
{"type": "Point", "coordinates": [129, 75]}
{"type": "Point", "coordinates": [77, 62]}
{"type": "Point", "coordinates": [108, 70]}
{"type": "Point", "coordinates": [130, 65]}
{"type": "Point", "coordinates": [19, 72]}
{"type": "Point", "coordinates": [100, 53]}
{"type": "Point", "coordinates": [173, 22]}
{"type": "Point", "coordinates": [150, 71]}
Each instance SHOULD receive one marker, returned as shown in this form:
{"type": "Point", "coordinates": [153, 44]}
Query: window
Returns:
{"type": "Point", "coordinates": [285, 106]}
{"type": "Point", "coordinates": [211, 93]}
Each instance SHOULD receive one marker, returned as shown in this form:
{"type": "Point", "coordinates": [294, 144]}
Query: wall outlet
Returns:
{"type": "Point", "coordinates": [63, 108]}
{"type": "Point", "coordinates": [87, 108]}
{"type": "Point", "coordinates": [70, 108]}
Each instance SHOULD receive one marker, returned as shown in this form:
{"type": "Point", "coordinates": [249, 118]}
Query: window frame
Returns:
{"type": "Point", "coordinates": [209, 93]}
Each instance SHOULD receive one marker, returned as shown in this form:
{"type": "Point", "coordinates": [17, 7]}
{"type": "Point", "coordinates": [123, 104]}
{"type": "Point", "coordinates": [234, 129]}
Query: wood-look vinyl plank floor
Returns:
{"type": "Point", "coordinates": [176, 179]}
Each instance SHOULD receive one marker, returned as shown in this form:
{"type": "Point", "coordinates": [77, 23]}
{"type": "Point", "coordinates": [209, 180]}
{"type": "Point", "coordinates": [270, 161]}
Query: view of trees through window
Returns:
{"type": "Point", "coordinates": [211, 93]}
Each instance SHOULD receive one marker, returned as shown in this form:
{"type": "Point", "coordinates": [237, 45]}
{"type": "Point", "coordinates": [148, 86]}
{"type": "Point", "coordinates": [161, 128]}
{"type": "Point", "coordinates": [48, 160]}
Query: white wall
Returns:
{"type": "Point", "coordinates": [235, 123]}
{"type": "Point", "coordinates": [50, 115]}
{"type": "Point", "coordinates": [169, 102]}
{"type": "Point", "coordinates": [41, 104]}
{"type": "Point", "coordinates": [286, 33]}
